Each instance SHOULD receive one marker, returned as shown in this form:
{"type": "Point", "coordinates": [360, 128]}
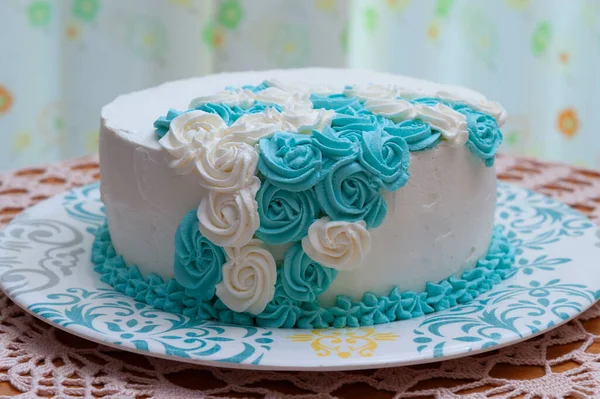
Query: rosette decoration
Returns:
{"type": "Point", "coordinates": [249, 277]}
{"type": "Point", "coordinates": [229, 220]}
{"type": "Point", "coordinates": [188, 134]}
{"type": "Point", "coordinates": [301, 171]}
{"type": "Point", "coordinates": [340, 245]}
{"type": "Point", "coordinates": [303, 279]}
{"type": "Point", "coordinates": [350, 193]}
{"type": "Point", "coordinates": [484, 134]}
{"type": "Point", "coordinates": [227, 166]}
{"type": "Point", "coordinates": [197, 264]}
{"type": "Point", "coordinates": [284, 215]}
{"type": "Point", "coordinates": [417, 134]}
{"type": "Point", "coordinates": [290, 161]}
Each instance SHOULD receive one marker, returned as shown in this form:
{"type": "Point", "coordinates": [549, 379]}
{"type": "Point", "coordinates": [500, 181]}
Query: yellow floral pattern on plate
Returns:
{"type": "Point", "coordinates": [344, 343]}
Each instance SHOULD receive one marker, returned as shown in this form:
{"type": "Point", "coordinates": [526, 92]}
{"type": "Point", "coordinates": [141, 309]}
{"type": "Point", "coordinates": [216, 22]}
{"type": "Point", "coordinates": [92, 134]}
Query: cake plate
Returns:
{"type": "Point", "coordinates": [45, 269]}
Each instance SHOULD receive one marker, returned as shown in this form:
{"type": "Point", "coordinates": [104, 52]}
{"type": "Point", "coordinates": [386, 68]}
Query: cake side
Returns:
{"type": "Point", "coordinates": [423, 228]}
{"type": "Point", "coordinates": [438, 225]}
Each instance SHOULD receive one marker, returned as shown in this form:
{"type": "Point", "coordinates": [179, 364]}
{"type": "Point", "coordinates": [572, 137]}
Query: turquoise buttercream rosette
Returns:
{"type": "Point", "coordinates": [289, 165]}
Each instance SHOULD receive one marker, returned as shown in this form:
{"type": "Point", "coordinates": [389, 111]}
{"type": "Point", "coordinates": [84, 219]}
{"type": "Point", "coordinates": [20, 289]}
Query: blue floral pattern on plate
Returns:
{"type": "Point", "coordinates": [145, 327]}
{"type": "Point", "coordinates": [44, 268]}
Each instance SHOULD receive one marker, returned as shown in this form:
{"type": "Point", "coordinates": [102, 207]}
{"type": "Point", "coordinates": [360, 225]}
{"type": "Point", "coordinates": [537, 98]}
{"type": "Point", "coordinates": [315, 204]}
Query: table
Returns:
{"type": "Point", "coordinates": [39, 360]}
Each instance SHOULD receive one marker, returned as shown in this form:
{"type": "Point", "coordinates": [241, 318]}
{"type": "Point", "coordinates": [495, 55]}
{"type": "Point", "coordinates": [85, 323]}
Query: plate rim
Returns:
{"type": "Point", "coordinates": [376, 361]}
{"type": "Point", "coordinates": [272, 367]}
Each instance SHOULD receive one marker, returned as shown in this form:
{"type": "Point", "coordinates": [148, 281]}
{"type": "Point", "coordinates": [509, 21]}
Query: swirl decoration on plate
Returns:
{"type": "Point", "coordinates": [304, 168]}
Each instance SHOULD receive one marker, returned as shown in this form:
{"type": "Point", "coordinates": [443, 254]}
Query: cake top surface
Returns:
{"type": "Point", "coordinates": [133, 114]}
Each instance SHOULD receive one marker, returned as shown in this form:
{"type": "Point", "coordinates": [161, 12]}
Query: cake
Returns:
{"type": "Point", "coordinates": [306, 198]}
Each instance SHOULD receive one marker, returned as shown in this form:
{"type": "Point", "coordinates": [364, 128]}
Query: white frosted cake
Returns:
{"type": "Point", "coordinates": [302, 198]}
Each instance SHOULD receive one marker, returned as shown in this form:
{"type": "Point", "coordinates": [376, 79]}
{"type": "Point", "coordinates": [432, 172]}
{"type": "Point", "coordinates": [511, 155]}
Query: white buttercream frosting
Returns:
{"type": "Point", "coordinates": [243, 98]}
{"type": "Point", "coordinates": [372, 92]}
{"type": "Point", "coordinates": [229, 219]}
{"type": "Point", "coordinates": [395, 109]}
{"type": "Point", "coordinates": [287, 99]}
{"type": "Point", "coordinates": [450, 123]}
{"type": "Point", "coordinates": [187, 134]}
{"type": "Point", "coordinates": [339, 245]}
{"type": "Point", "coordinates": [249, 277]}
{"type": "Point", "coordinates": [292, 97]}
{"type": "Point", "coordinates": [365, 92]}
{"type": "Point", "coordinates": [252, 127]}
{"type": "Point", "coordinates": [227, 165]}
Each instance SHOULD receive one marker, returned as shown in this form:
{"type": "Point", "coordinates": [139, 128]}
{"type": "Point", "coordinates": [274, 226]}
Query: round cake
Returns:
{"type": "Point", "coordinates": [305, 198]}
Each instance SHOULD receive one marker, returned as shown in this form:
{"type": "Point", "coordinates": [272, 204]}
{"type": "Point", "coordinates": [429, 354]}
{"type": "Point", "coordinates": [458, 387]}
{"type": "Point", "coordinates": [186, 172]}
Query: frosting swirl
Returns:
{"type": "Point", "coordinates": [394, 109]}
{"type": "Point", "coordinates": [249, 277]}
{"type": "Point", "coordinates": [429, 101]}
{"type": "Point", "coordinates": [336, 102]}
{"type": "Point", "coordinates": [484, 136]}
{"type": "Point", "coordinates": [339, 245]}
{"type": "Point", "coordinates": [299, 87]}
{"type": "Point", "coordinates": [163, 123]}
{"type": "Point", "coordinates": [349, 192]}
{"type": "Point", "coordinates": [386, 157]}
{"type": "Point", "coordinates": [197, 262]}
{"type": "Point", "coordinates": [355, 124]}
{"type": "Point", "coordinates": [251, 127]}
{"type": "Point", "coordinates": [429, 97]}
{"type": "Point", "coordinates": [230, 114]}
{"type": "Point", "coordinates": [302, 278]}
{"type": "Point", "coordinates": [284, 215]}
{"type": "Point", "coordinates": [281, 312]}
{"type": "Point", "coordinates": [371, 92]}
{"type": "Point", "coordinates": [292, 97]}
{"type": "Point", "coordinates": [229, 219]}
{"type": "Point", "coordinates": [416, 133]}
{"type": "Point", "coordinates": [288, 99]}
{"type": "Point", "coordinates": [290, 161]}
{"type": "Point", "coordinates": [450, 123]}
{"type": "Point", "coordinates": [242, 98]}
{"type": "Point", "coordinates": [227, 165]}
{"type": "Point", "coordinates": [307, 121]}
{"type": "Point", "coordinates": [334, 147]}
{"type": "Point", "coordinates": [186, 135]}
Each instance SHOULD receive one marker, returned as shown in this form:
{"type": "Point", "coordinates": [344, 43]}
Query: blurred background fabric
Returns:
{"type": "Point", "coordinates": [61, 60]}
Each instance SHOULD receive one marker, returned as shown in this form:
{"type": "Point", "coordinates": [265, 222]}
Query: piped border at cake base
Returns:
{"type": "Point", "coordinates": [170, 296]}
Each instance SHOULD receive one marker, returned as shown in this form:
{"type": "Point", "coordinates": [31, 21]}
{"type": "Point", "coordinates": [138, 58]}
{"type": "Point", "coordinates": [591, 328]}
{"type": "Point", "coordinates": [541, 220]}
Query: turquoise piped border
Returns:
{"type": "Point", "coordinates": [169, 295]}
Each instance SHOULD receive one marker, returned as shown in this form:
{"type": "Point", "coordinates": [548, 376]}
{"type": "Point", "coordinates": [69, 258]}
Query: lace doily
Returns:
{"type": "Point", "coordinates": [37, 360]}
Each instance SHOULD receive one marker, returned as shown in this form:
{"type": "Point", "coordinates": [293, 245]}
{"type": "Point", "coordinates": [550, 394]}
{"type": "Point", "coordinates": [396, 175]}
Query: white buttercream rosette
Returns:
{"type": "Point", "coordinates": [229, 219]}
{"type": "Point", "coordinates": [337, 244]}
{"type": "Point", "coordinates": [249, 277]}
{"type": "Point", "coordinates": [188, 134]}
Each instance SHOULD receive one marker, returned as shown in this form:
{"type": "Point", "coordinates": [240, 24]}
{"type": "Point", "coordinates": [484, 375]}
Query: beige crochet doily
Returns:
{"type": "Point", "coordinates": [39, 361]}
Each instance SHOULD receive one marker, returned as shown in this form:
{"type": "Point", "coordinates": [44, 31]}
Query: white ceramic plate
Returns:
{"type": "Point", "coordinates": [45, 269]}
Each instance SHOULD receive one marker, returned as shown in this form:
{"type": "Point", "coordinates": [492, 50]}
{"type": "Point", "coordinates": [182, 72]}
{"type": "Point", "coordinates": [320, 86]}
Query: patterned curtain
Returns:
{"type": "Point", "coordinates": [61, 60]}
